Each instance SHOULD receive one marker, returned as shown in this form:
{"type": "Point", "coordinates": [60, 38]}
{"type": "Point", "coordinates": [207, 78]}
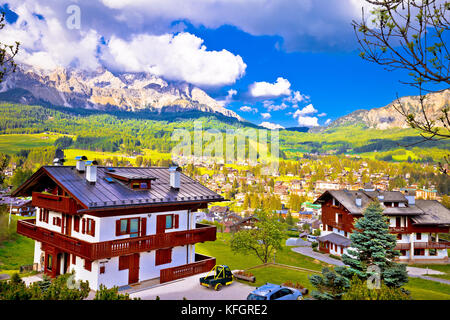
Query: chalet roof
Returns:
{"type": "Point", "coordinates": [336, 239]}
{"type": "Point", "coordinates": [347, 199]}
{"type": "Point", "coordinates": [104, 194]}
{"type": "Point", "coordinates": [436, 213]}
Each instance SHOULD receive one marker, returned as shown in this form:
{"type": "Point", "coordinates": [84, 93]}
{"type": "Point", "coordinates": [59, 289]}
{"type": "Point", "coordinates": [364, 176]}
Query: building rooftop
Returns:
{"type": "Point", "coordinates": [106, 194]}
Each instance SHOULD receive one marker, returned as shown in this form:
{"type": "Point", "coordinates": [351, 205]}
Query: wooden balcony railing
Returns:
{"type": "Point", "coordinates": [423, 245]}
{"type": "Point", "coordinates": [54, 202]}
{"type": "Point", "coordinates": [432, 245]}
{"type": "Point", "coordinates": [202, 264]}
{"type": "Point", "coordinates": [107, 249]}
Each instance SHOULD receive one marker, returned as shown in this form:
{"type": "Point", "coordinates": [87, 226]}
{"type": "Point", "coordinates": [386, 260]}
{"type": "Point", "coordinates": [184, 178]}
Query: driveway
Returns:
{"type": "Point", "coordinates": [191, 289]}
{"type": "Point", "coordinates": [412, 271]}
{"type": "Point", "coordinates": [308, 251]}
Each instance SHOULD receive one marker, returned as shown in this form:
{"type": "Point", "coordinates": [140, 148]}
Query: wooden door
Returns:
{"type": "Point", "coordinates": [133, 270]}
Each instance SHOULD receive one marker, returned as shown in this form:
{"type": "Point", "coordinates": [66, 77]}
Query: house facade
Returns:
{"type": "Point", "coordinates": [117, 226]}
{"type": "Point", "coordinates": [416, 223]}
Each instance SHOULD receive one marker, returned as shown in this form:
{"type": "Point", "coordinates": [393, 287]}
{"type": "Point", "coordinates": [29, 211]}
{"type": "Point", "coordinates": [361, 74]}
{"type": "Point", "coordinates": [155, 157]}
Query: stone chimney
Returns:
{"type": "Point", "coordinates": [175, 176]}
{"type": "Point", "coordinates": [91, 171]}
{"type": "Point", "coordinates": [81, 165]}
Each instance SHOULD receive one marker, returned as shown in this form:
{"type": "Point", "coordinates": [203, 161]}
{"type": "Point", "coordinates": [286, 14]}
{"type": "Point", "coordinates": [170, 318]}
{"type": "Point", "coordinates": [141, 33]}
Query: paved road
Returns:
{"type": "Point", "coordinates": [308, 251]}
{"type": "Point", "coordinates": [191, 289]}
{"type": "Point", "coordinates": [412, 271]}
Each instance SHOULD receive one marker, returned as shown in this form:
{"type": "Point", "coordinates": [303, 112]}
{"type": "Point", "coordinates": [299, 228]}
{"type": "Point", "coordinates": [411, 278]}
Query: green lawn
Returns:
{"type": "Point", "coordinates": [15, 253]}
{"type": "Point", "coordinates": [12, 143]}
{"type": "Point", "coordinates": [420, 289]}
{"type": "Point", "coordinates": [428, 290]}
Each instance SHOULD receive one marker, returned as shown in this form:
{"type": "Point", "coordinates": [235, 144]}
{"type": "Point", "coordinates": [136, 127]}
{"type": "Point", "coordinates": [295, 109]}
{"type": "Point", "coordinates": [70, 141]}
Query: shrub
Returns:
{"type": "Point", "coordinates": [360, 291]}
{"type": "Point", "coordinates": [111, 294]}
{"type": "Point", "coordinates": [291, 284]}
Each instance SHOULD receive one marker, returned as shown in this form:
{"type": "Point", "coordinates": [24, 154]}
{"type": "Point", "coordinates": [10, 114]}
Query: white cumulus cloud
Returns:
{"type": "Point", "coordinates": [248, 109]}
{"type": "Point", "coordinates": [307, 122]}
{"type": "Point", "coordinates": [281, 87]}
{"type": "Point", "coordinates": [266, 115]}
{"type": "Point", "coordinates": [175, 57]}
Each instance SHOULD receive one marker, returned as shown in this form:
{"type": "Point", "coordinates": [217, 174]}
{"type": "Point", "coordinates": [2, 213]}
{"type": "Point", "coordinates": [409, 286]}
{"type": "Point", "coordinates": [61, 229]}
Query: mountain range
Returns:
{"type": "Point", "coordinates": [388, 117]}
{"type": "Point", "coordinates": [102, 90]}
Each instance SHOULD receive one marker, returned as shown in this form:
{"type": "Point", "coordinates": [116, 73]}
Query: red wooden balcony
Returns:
{"type": "Point", "coordinates": [432, 245]}
{"type": "Point", "coordinates": [423, 245]}
{"type": "Point", "coordinates": [202, 264]}
{"type": "Point", "coordinates": [107, 249]}
{"type": "Point", "coordinates": [54, 202]}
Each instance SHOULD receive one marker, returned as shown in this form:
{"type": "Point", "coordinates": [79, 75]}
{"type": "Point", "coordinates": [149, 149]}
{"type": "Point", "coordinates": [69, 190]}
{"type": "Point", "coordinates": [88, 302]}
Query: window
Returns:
{"type": "Point", "coordinates": [399, 236]}
{"type": "Point", "coordinates": [403, 252]}
{"type": "Point", "coordinates": [432, 252]}
{"type": "Point", "coordinates": [129, 226]}
{"type": "Point", "coordinates": [419, 252]}
{"type": "Point", "coordinates": [57, 221]}
{"type": "Point", "coordinates": [418, 236]}
{"type": "Point", "coordinates": [163, 256]}
{"type": "Point", "coordinates": [102, 269]}
{"type": "Point", "coordinates": [76, 223]}
{"type": "Point", "coordinates": [169, 222]}
{"type": "Point", "coordinates": [49, 262]}
{"type": "Point", "coordinates": [90, 227]}
{"type": "Point", "coordinates": [43, 215]}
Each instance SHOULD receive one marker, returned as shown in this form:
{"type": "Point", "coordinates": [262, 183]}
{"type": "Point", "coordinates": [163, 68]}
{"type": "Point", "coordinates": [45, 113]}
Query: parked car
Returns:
{"type": "Point", "coordinates": [311, 238]}
{"type": "Point", "coordinates": [271, 291]}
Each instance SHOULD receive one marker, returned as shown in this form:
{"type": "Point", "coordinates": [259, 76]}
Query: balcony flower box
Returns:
{"type": "Point", "coordinates": [246, 276]}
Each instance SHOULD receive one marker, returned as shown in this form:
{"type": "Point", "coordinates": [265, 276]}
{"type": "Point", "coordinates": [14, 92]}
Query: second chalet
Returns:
{"type": "Point", "coordinates": [416, 223]}
{"type": "Point", "coordinates": [117, 226]}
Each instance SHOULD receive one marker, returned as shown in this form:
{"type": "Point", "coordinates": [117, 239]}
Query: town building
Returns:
{"type": "Point", "coordinates": [417, 223]}
{"type": "Point", "coordinates": [117, 226]}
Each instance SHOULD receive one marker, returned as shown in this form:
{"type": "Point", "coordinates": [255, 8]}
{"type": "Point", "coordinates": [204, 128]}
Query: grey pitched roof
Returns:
{"type": "Point", "coordinates": [336, 239]}
{"type": "Point", "coordinates": [436, 213]}
{"type": "Point", "coordinates": [105, 194]}
{"type": "Point", "coordinates": [347, 199]}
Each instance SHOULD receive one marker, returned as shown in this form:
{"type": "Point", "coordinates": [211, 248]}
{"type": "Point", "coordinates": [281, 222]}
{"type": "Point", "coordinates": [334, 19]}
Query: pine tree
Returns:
{"type": "Point", "coordinates": [329, 285]}
{"type": "Point", "coordinates": [373, 245]}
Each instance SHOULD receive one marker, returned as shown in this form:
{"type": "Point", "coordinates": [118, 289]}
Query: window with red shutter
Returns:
{"type": "Point", "coordinates": [76, 223]}
{"type": "Point", "coordinates": [143, 226]}
{"type": "Point", "coordinates": [102, 269]}
{"type": "Point", "coordinates": [124, 262]}
{"type": "Point", "coordinates": [83, 226]}
{"type": "Point", "coordinates": [90, 227]}
{"type": "Point", "coordinates": [88, 265]}
{"type": "Point", "coordinates": [177, 218]}
{"type": "Point", "coordinates": [163, 256]}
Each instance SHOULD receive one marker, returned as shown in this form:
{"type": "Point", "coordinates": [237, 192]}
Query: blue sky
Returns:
{"type": "Point", "coordinates": [290, 63]}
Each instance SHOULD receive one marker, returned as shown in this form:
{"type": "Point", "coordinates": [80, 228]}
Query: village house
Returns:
{"type": "Point", "coordinates": [116, 226]}
{"type": "Point", "coordinates": [427, 194]}
{"type": "Point", "coordinates": [416, 223]}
